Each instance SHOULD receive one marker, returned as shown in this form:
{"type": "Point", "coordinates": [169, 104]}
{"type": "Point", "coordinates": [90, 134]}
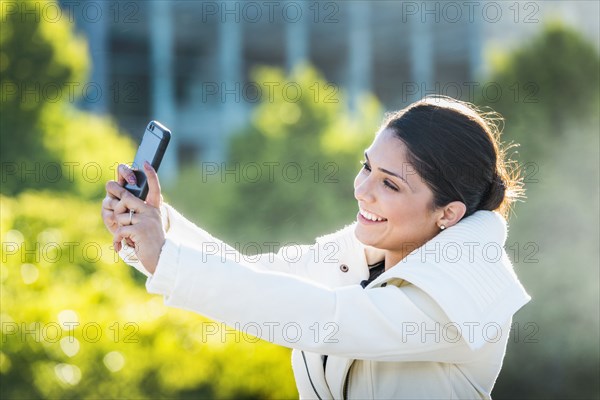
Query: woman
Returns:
{"type": "Point", "coordinates": [415, 300]}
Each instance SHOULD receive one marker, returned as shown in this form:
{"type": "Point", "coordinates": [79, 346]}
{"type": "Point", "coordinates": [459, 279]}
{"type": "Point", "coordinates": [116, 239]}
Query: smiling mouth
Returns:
{"type": "Point", "coordinates": [370, 216]}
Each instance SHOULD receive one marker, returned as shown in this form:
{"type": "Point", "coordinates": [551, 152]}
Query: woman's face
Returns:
{"type": "Point", "coordinates": [390, 192]}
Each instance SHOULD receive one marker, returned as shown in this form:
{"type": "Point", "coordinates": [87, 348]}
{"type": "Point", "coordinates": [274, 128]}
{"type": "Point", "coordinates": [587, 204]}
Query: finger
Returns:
{"type": "Point", "coordinates": [124, 232]}
{"type": "Point", "coordinates": [114, 189]}
{"type": "Point", "coordinates": [127, 200]}
{"type": "Point", "coordinates": [119, 245]}
{"type": "Point", "coordinates": [154, 197]}
{"type": "Point", "coordinates": [109, 194]}
{"type": "Point", "coordinates": [123, 207]}
{"type": "Point", "coordinates": [109, 220]}
{"type": "Point", "coordinates": [125, 175]}
{"type": "Point", "coordinates": [126, 218]}
{"type": "Point", "coordinates": [109, 203]}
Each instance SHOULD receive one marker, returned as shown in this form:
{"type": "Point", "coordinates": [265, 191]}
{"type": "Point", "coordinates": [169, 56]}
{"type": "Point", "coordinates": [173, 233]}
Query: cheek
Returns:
{"type": "Point", "coordinates": [400, 208]}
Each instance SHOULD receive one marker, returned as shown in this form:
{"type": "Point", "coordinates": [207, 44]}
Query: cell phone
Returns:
{"type": "Point", "coordinates": [152, 149]}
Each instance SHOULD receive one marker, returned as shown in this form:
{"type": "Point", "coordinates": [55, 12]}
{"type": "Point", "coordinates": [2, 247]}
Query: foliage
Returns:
{"type": "Point", "coordinates": [88, 147]}
{"type": "Point", "coordinates": [553, 351]}
{"type": "Point", "coordinates": [76, 323]}
{"type": "Point", "coordinates": [547, 82]}
{"type": "Point", "coordinates": [289, 174]}
{"type": "Point", "coordinates": [58, 269]}
{"type": "Point", "coordinates": [46, 143]}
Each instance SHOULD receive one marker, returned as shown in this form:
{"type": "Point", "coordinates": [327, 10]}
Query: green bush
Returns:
{"type": "Point", "coordinates": [291, 171]}
{"type": "Point", "coordinates": [58, 269]}
{"type": "Point", "coordinates": [76, 322]}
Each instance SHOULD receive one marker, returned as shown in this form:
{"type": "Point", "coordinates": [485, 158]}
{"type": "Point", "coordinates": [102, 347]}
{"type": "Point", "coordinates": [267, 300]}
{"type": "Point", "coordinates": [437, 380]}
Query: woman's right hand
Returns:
{"type": "Point", "coordinates": [124, 174]}
{"type": "Point", "coordinates": [139, 223]}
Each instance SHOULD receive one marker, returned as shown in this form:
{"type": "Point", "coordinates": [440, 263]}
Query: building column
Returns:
{"type": "Point", "coordinates": [359, 55]}
{"type": "Point", "coordinates": [97, 35]}
{"type": "Point", "coordinates": [229, 65]}
{"type": "Point", "coordinates": [474, 43]}
{"type": "Point", "coordinates": [421, 58]}
{"type": "Point", "coordinates": [297, 41]}
{"type": "Point", "coordinates": [162, 79]}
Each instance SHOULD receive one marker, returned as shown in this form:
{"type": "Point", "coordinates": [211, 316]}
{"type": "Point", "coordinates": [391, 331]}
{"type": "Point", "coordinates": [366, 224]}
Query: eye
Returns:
{"type": "Point", "coordinates": [390, 186]}
{"type": "Point", "coordinates": [365, 166]}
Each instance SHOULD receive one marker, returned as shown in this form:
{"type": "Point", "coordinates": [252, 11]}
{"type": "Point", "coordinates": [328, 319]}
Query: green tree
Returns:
{"type": "Point", "coordinates": [548, 83]}
{"type": "Point", "coordinates": [37, 60]}
{"type": "Point", "coordinates": [292, 169]}
{"type": "Point", "coordinates": [553, 350]}
{"type": "Point", "coordinates": [46, 143]}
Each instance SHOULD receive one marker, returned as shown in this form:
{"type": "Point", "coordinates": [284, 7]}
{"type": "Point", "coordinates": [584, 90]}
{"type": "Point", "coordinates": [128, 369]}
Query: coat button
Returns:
{"type": "Point", "coordinates": [344, 268]}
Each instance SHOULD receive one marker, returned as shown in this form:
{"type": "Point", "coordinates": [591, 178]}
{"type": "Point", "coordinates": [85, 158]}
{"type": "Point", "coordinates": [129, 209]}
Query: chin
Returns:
{"type": "Point", "coordinates": [364, 237]}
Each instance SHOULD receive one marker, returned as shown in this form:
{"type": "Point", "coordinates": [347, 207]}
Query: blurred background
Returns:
{"type": "Point", "coordinates": [271, 105]}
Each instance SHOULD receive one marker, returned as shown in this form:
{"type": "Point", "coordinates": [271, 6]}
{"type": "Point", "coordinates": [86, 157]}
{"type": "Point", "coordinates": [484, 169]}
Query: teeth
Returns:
{"type": "Point", "coordinates": [370, 216]}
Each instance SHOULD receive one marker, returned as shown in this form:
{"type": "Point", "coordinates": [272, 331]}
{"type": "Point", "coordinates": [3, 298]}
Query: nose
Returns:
{"type": "Point", "coordinates": [362, 189]}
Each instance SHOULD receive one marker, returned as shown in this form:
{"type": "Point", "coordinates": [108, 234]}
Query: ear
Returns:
{"type": "Point", "coordinates": [451, 214]}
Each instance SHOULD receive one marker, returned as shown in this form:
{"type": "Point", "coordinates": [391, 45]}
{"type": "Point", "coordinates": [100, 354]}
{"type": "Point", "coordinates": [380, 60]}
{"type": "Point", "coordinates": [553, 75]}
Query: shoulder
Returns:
{"type": "Point", "coordinates": [466, 271]}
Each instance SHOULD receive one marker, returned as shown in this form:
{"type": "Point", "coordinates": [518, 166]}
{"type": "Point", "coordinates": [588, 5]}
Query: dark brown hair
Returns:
{"type": "Point", "coordinates": [455, 148]}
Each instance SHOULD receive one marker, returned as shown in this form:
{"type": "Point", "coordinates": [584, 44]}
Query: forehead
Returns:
{"type": "Point", "coordinates": [390, 153]}
{"type": "Point", "coordinates": [387, 148]}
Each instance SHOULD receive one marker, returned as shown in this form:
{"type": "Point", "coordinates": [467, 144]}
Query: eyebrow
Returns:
{"type": "Point", "coordinates": [391, 173]}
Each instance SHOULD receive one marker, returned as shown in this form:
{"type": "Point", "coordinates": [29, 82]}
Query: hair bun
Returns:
{"type": "Point", "coordinates": [494, 195]}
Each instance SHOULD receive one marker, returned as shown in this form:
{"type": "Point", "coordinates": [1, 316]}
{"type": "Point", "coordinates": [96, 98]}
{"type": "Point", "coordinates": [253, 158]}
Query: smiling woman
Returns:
{"type": "Point", "coordinates": [412, 304]}
{"type": "Point", "coordinates": [431, 165]}
{"type": "Point", "coordinates": [394, 207]}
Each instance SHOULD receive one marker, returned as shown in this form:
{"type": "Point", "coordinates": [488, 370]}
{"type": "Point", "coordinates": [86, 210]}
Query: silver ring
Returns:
{"type": "Point", "coordinates": [131, 212]}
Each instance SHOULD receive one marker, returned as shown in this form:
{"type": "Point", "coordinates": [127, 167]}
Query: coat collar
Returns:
{"type": "Point", "coordinates": [468, 274]}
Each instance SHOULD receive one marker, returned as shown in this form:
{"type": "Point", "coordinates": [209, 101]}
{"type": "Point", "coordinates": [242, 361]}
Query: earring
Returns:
{"type": "Point", "coordinates": [442, 227]}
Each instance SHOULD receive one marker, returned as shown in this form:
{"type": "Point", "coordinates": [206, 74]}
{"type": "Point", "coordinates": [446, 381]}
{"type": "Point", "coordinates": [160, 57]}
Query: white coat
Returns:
{"type": "Point", "coordinates": [436, 325]}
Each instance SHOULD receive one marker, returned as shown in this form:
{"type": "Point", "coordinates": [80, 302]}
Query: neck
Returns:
{"type": "Point", "coordinates": [394, 257]}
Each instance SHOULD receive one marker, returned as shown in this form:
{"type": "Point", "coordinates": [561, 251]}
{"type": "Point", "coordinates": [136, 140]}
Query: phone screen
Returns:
{"type": "Point", "coordinates": [151, 149]}
{"type": "Point", "coordinates": [147, 150]}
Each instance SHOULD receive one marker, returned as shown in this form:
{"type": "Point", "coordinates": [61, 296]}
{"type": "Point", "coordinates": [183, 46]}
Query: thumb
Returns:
{"type": "Point", "coordinates": [154, 197]}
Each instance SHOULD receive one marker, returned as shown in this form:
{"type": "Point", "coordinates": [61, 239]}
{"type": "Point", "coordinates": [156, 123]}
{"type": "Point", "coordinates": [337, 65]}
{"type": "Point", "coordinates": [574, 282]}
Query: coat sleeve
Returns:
{"type": "Point", "coordinates": [388, 324]}
{"type": "Point", "coordinates": [301, 260]}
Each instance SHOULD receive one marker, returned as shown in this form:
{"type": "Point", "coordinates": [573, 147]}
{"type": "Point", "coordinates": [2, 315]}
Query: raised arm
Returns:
{"type": "Point", "coordinates": [164, 220]}
{"type": "Point", "coordinates": [386, 323]}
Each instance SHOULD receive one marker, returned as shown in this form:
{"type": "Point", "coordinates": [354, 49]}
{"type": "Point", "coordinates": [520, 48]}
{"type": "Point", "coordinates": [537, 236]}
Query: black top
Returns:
{"type": "Point", "coordinates": [374, 271]}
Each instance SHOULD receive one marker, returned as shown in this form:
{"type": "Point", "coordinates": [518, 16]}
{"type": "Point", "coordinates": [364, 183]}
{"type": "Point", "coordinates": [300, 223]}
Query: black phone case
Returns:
{"type": "Point", "coordinates": [140, 189]}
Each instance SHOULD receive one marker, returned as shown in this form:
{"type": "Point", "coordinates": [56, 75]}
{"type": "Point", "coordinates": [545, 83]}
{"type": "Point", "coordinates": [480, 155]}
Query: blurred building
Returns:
{"type": "Point", "coordinates": [187, 63]}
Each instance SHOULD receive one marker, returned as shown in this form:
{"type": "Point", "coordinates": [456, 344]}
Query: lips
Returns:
{"type": "Point", "coordinates": [370, 216]}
